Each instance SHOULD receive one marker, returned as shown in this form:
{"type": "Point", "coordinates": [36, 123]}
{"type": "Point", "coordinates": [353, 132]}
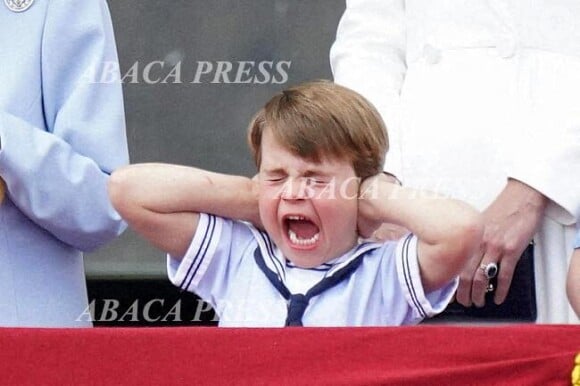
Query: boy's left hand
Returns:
{"type": "Point", "coordinates": [389, 232]}
{"type": "Point", "coordinates": [367, 228]}
{"type": "Point", "coordinates": [369, 219]}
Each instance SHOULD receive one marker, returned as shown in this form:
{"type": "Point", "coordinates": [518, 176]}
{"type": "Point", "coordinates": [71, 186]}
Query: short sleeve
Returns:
{"type": "Point", "coordinates": [422, 305]}
{"type": "Point", "coordinates": [213, 257]}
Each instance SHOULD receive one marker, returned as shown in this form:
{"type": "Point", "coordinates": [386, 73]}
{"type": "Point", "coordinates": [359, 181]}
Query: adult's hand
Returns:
{"type": "Point", "coordinates": [510, 222]}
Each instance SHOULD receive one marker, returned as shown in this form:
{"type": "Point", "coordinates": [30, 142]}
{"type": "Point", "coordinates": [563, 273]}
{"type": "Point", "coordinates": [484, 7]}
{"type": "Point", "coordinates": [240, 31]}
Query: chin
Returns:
{"type": "Point", "coordinates": [302, 257]}
{"type": "Point", "coordinates": [304, 262]}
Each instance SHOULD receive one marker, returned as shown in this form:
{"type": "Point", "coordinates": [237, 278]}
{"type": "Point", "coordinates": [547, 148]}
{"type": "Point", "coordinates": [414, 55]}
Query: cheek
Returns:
{"type": "Point", "coordinates": [268, 192]}
{"type": "Point", "coordinates": [338, 213]}
{"type": "Point", "coordinates": [349, 204]}
{"type": "Point", "coordinates": [265, 206]}
{"type": "Point", "coordinates": [268, 211]}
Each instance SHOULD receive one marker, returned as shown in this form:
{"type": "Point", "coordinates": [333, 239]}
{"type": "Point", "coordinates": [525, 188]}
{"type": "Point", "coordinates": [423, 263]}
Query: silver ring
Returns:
{"type": "Point", "coordinates": [489, 270]}
{"type": "Point", "coordinates": [489, 288]}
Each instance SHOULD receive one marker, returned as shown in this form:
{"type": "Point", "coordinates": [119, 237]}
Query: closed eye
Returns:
{"type": "Point", "coordinates": [274, 178]}
{"type": "Point", "coordinates": [318, 181]}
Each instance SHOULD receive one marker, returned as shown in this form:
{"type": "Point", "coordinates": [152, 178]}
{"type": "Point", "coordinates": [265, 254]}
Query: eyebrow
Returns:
{"type": "Point", "coordinates": [307, 173]}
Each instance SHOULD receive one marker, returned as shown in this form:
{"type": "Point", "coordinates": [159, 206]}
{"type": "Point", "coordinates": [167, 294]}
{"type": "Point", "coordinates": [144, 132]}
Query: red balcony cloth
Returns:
{"type": "Point", "coordinates": [424, 355]}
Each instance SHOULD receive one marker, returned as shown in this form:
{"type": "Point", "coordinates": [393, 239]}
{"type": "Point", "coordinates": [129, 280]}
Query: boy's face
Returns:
{"type": "Point", "coordinates": [309, 209]}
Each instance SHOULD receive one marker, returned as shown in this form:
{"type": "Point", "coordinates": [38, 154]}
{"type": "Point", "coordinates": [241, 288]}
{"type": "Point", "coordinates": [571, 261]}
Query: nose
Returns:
{"type": "Point", "coordinates": [296, 189]}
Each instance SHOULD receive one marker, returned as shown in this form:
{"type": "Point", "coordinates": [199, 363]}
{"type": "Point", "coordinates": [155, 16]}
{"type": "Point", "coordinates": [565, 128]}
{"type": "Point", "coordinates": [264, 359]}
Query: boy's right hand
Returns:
{"type": "Point", "coordinates": [256, 221]}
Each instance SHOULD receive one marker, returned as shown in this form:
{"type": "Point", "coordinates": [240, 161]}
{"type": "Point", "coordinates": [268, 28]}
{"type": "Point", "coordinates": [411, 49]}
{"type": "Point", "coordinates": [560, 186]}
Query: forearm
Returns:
{"type": "Point", "coordinates": [524, 197]}
{"type": "Point", "coordinates": [162, 202]}
{"type": "Point", "coordinates": [57, 187]}
{"type": "Point", "coordinates": [164, 189]}
{"type": "Point", "coordinates": [449, 231]}
{"type": "Point", "coordinates": [433, 218]}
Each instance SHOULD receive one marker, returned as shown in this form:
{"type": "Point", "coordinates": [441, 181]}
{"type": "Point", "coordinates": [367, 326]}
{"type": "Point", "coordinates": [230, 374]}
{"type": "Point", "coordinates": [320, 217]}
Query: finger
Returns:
{"type": "Point", "coordinates": [366, 229]}
{"type": "Point", "coordinates": [383, 236]}
{"type": "Point", "coordinates": [398, 231]}
{"type": "Point", "coordinates": [366, 233]}
{"type": "Point", "coordinates": [389, 232]}
{"type": "Point", "coordinates": [490, 253]}
{"type": "Point", "coordinates": [463, 294]}
{"type": "Point", "coordinates": [481, 281]}
{"type": "Point", "coordinates": [504, 278]}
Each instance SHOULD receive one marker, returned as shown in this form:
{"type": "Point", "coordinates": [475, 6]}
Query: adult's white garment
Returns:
{"type": "Point", "coordinates": [474, 92]}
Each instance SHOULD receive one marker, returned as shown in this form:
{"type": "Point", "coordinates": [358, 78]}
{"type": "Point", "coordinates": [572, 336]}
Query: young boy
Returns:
{"type": "Point", "coordinates": [319, 149]}
{"type": "Point", "coordinates": [573, 279]}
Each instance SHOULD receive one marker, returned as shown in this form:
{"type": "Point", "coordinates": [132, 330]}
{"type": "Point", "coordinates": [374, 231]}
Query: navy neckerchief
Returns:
{"type": "Point", "coordinates": [273, 269]}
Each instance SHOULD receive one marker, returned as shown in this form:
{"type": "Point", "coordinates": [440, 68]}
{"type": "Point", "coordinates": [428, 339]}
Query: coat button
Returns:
{"type": "Point", "coordinates": [431, 54]}
{"type": "Point", "coordinates": [506, 48]}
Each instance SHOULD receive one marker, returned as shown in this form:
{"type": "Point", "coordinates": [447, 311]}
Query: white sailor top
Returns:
{"type": "Point", "coordinates": [221, 267]}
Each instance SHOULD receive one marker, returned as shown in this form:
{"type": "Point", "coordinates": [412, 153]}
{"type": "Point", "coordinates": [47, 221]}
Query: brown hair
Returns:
{"type": "Point", "coordinates": [322, 119]}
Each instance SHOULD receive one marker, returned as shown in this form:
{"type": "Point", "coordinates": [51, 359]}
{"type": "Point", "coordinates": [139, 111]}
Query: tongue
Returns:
{"type": "Point", "coordinates": [304, 229]}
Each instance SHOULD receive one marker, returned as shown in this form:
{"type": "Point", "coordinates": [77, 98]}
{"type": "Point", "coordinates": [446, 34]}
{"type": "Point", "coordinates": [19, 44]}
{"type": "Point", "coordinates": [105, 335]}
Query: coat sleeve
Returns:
{"type": "Point", "coordinates": [57, 175]}
{"type": "Point", "coordinates": [547, 156]}
{"type": "Point", "coordinates": [368, 56]}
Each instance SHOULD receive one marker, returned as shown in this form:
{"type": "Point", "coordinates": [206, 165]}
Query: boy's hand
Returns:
{"type": "Point", "coordinates": [367, 228]}
{"type": "Point", "coordinates": [370, 224]}
{"type": "Point", "coordinates": [389, 232]}
{"type": "Point", "coordinates": [256, 220]}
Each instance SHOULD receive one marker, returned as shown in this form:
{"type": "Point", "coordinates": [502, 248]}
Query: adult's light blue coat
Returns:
{"type": "Point", "coordinates": [62, 132]}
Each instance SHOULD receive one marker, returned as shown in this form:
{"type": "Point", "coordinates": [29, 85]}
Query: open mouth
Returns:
{"type": "Point", "coordinates": [301, 231]}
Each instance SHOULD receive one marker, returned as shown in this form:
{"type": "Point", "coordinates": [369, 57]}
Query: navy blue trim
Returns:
{"type": "Point", "coordinates": [297, 303]}
{"type": "Point", "coordinates": [321, 268]}
{"type": "Point", "coordinates": [277, 262]}
{"type": "Point", "coordinates": [206, 240]}
{"type": "Point", "coordinates": [271, 275]}
{"type": "Point", "coordinates": [271, 255]}
{"type": "Point", "coordinates": [195, 258]}
{"type": "Point", "coordinates": [361, 249]}
{"type": "Point", "coordinates": [203, 256]}
{"type": "Point", "coordinates": [407, 275]}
